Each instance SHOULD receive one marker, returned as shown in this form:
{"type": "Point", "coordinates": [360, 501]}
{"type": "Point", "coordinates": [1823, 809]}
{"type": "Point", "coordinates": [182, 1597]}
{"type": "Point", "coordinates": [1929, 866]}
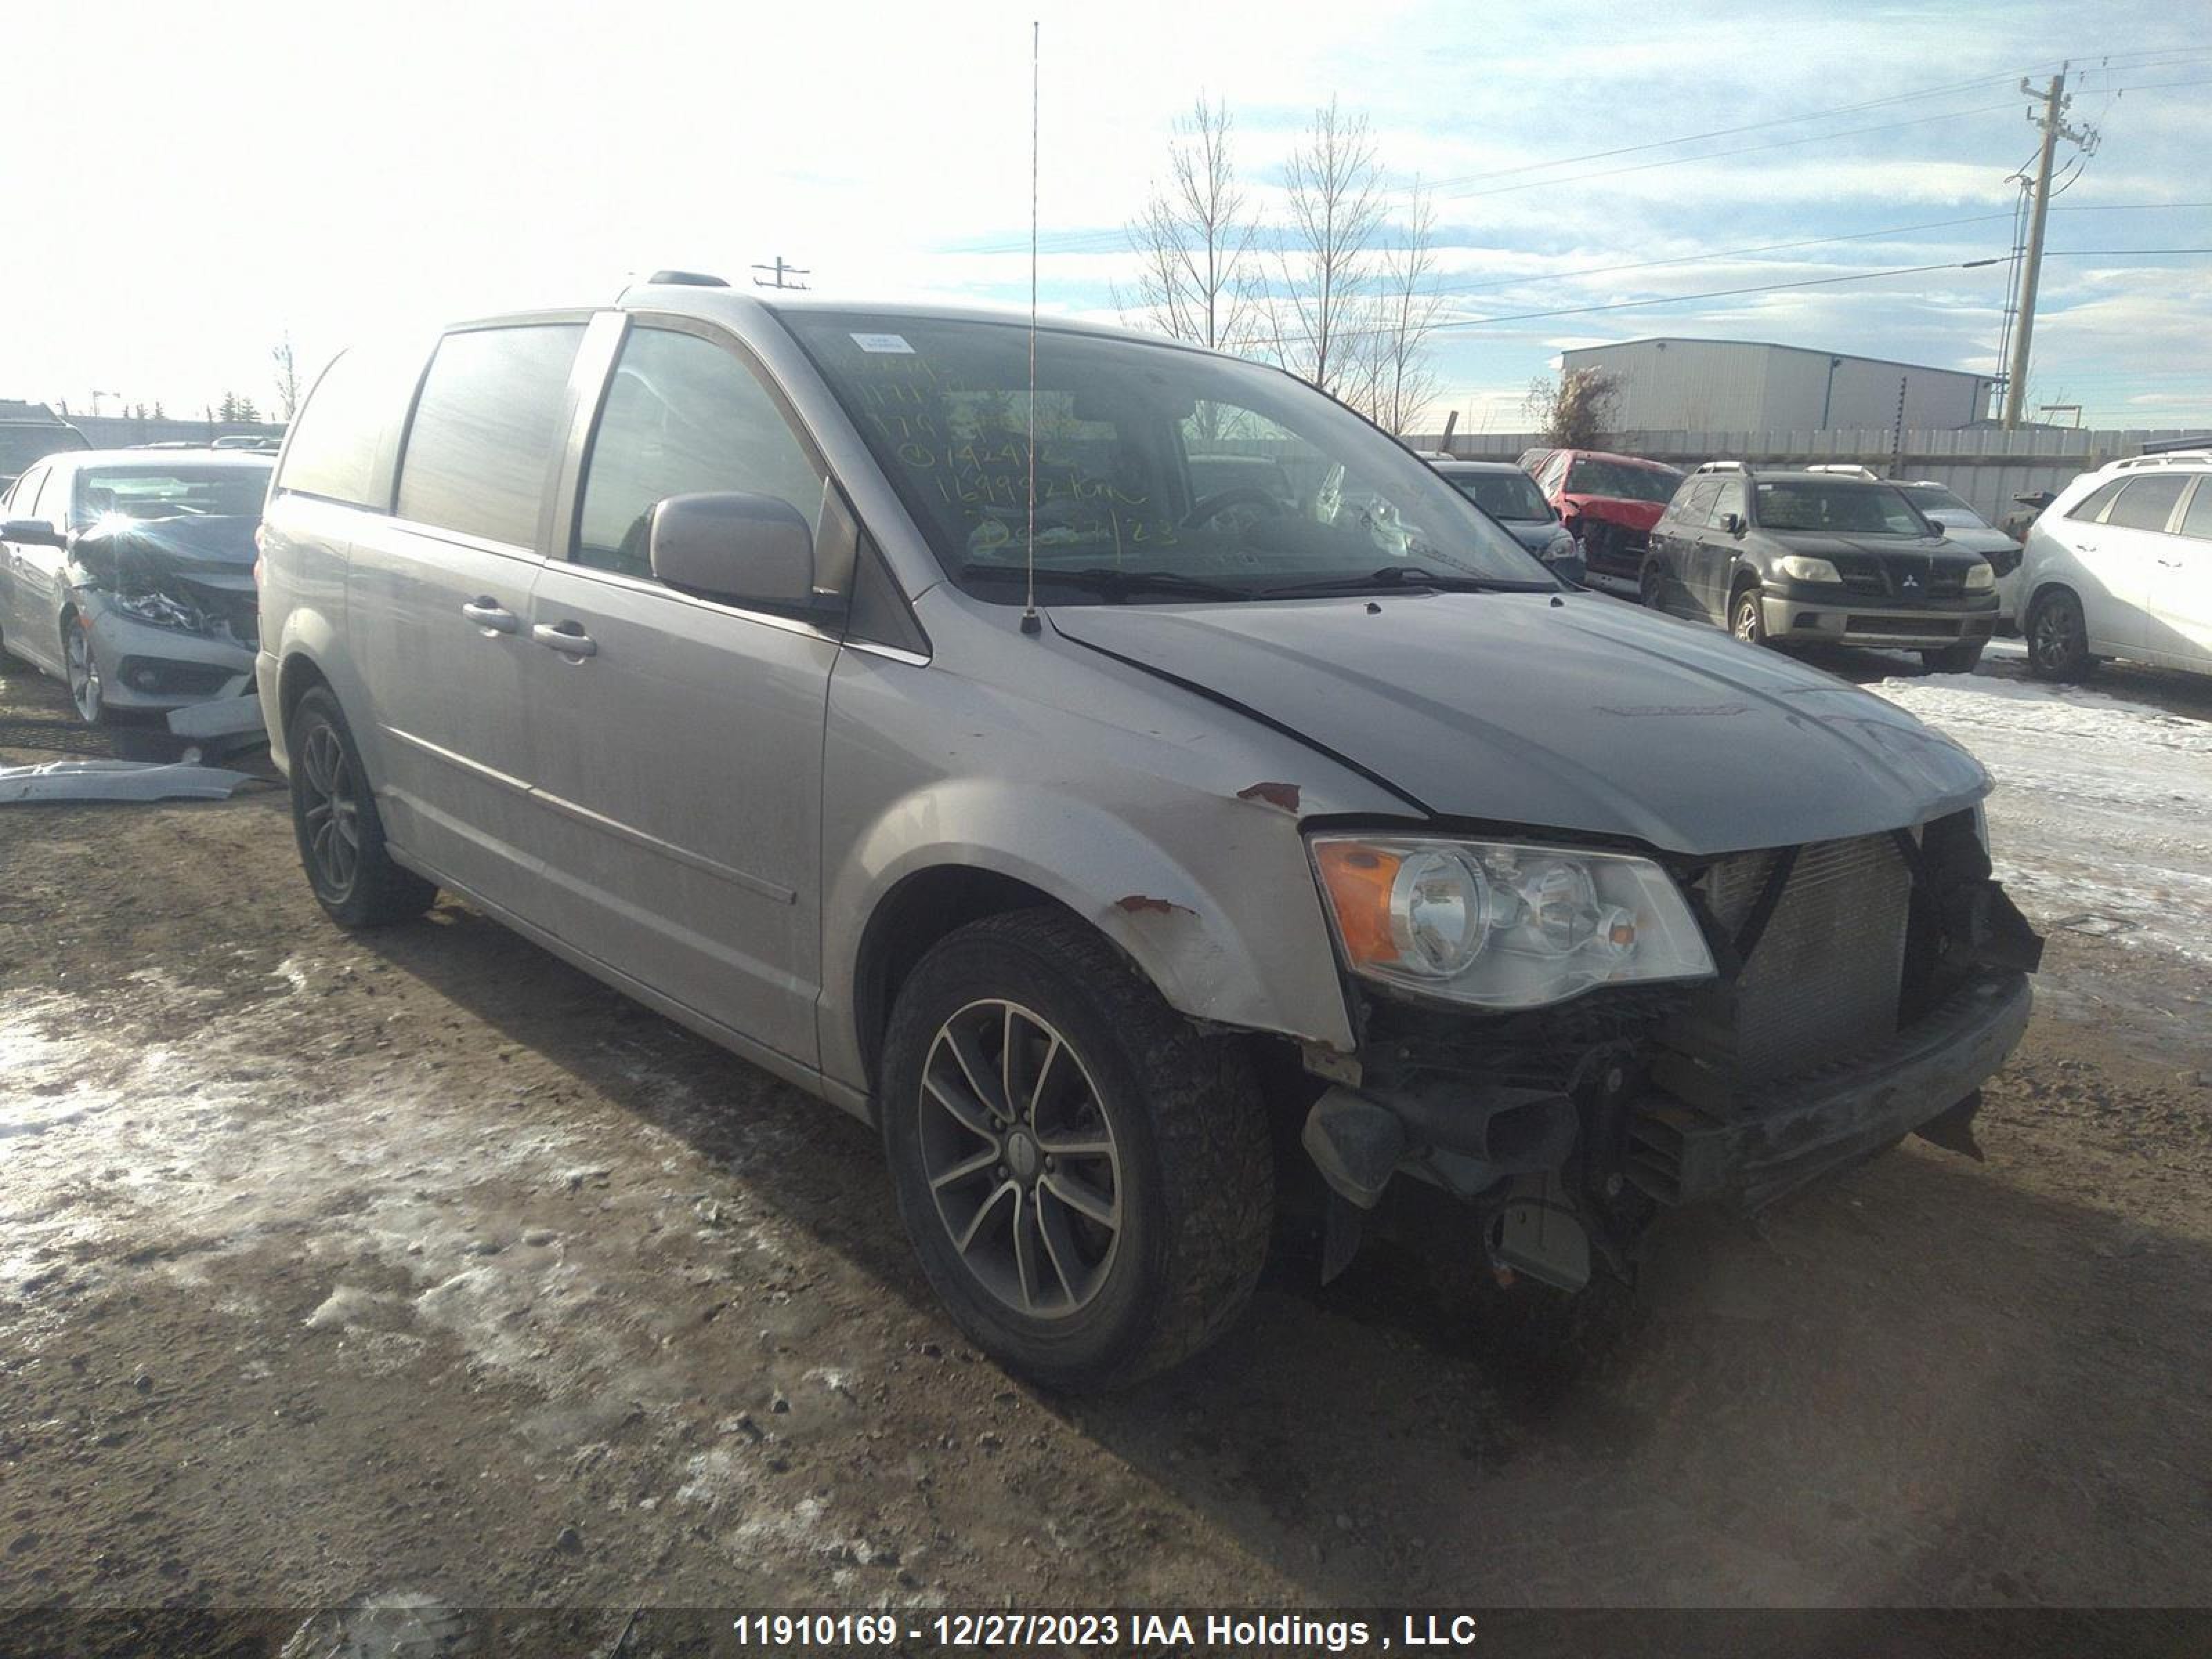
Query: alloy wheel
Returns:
{"type": "Point", "coordinates": [1746, 617]}
{"type": "Point", "coordinates": [1021, 1158]}
{"type": "Point", "coordinates": [2056, 639]}
{"type": "Point", "coordinates": [333, 809]}
{"type": "Point", "coordinates": [83, 671]}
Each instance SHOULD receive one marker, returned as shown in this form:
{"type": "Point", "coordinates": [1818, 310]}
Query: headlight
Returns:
{"type": "Point", "coordinates": [1800, 568]}
{"type": "Point", "coordinates": [1502, 925]}
{"type": "Point", "coordinates": [1980, 577]}
{"type": "Point", "coordinates": [159, 611]}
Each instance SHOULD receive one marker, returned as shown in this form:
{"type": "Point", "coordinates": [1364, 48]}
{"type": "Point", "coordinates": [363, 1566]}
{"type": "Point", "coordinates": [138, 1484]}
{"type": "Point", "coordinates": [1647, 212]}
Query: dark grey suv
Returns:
{"type": "Point", "coordinates": [1808, 559]}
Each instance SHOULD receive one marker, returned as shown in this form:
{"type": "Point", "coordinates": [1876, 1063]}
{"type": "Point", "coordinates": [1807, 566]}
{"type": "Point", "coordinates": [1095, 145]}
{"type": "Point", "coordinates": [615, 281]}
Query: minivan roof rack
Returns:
{"type": "Point", "coordinates": [1849, 469]}
{"type": "Point", "coordinates": [687, 279]}
{"type": "Point", "coordinates": [1725, 467]}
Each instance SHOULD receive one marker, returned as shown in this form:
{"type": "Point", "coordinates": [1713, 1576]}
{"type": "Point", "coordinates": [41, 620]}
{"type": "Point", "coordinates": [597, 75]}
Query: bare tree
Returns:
{"type": "Point", "coordinates": [288, 377]}
{"type": "Point", "coordinates": [1397, 383]}
{"type": "Point", "coordinates": [1576, 409]}
{"type": "Point", "coordinates": [1325, 262]}
{"type": "Point", "coordinates": [1194, 239]}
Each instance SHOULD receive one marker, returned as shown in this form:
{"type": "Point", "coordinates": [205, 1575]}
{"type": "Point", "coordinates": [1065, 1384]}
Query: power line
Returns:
{"type": "Point", "coordinates": [1726, 293]}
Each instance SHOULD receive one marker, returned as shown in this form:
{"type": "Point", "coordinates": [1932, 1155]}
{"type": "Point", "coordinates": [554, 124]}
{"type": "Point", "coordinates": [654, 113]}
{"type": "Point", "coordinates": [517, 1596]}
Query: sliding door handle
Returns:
{"type": "Point", "coordinates": [568, 638]}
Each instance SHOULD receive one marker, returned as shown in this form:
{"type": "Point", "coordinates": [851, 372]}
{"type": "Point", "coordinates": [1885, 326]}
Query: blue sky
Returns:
{"type": "Point", "coordinates": [220, 175]}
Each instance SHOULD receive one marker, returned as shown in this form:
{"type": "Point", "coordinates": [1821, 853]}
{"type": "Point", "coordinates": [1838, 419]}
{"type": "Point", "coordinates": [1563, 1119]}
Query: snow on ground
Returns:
{"type": "Point", "coordinates": [2102, 816]}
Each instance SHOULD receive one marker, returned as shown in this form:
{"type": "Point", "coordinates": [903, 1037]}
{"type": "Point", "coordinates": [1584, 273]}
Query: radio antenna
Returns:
{"type": "Point", "coordinates": [1029, 624]}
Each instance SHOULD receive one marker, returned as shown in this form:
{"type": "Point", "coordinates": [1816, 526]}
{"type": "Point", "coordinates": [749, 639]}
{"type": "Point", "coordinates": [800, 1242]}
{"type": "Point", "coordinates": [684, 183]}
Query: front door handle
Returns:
{"type": "Point", "coordinates": [489, 614]}
{"type": "Point", "coordinates": [568, 638]}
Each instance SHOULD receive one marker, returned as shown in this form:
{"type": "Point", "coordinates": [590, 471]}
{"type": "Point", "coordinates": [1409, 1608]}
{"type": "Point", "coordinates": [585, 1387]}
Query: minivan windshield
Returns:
{"type": "Point", "coordinates": [1162, 473]}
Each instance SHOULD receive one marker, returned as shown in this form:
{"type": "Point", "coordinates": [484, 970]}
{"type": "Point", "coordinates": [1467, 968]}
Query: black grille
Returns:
{"type": "Point", "coordinates": [1821, 980]}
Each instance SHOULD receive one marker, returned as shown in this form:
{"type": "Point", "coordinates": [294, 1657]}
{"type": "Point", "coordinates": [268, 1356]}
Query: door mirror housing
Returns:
{"type": "Point", "coordinates": [744, 550]}
{"type": "Point", "coordinates": [1732, 523]}
{"type": "Point", "coordinates": [33, 533]}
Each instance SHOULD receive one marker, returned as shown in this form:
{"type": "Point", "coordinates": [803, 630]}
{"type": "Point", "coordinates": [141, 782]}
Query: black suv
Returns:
{"type": "Point", "coordinates": [1802, 558]}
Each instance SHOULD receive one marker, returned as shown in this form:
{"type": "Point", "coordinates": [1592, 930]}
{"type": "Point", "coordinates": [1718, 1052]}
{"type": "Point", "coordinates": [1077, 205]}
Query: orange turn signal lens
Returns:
{"type": "Point", "coordinates": [1359, 879]}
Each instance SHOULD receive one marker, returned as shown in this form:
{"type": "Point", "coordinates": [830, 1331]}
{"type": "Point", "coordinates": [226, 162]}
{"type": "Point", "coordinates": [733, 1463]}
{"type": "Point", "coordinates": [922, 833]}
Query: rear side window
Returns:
{"type": "Point", "coordinates": [2146, 503]}
{"type": "Point", "coordinates": [486, 429]}
{"type": "Point", "coordinates": [2092, 506]}
{"type": "Point", "coordinates": [342, 446]}
{"type": "Point", "coordinates": [2198, 521]}
{"type": "Point", "coordinates": [682, 416]}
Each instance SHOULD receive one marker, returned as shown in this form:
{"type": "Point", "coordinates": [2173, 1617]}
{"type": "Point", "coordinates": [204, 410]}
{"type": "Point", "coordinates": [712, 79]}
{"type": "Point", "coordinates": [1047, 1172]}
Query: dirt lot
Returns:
{"type": "Point", "coordinates": [419, 1264]}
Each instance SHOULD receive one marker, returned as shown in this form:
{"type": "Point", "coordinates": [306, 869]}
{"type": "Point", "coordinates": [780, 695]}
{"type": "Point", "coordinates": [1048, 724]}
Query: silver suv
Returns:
{"type": "Point", "coordinates": [1144, 849]}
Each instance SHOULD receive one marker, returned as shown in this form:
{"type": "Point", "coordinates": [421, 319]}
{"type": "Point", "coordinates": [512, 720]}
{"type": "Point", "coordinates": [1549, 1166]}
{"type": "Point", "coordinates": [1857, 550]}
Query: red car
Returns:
{"type": "Point", "coordinates": [1608, 503]}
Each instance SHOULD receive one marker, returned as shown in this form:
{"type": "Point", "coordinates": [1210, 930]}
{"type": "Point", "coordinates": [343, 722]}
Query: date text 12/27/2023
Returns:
{"type": "Point", "coordinates": [1242, 1631]}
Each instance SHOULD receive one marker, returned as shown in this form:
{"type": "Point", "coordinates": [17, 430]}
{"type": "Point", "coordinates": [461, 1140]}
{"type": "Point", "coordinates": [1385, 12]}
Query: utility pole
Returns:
{"type": "Point", "coordinates": [2053, 122]}
{"type": "Point", "coordinates": [781, 271]}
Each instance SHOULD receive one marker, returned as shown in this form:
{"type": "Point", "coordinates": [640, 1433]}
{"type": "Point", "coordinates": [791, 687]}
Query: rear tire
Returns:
{"type": "Point", "coordinates": [335, 820]}
{"type": "Point", "coordinates": [1953, 659]}
{"type": "Point", "coordinates": [1128, 1149]}
{"type": "Point", "coordinates": [1747, 615]}
{"type": "Point", "coordinates": [1652, 586]}
{"type": "Point", "coordinates": [2059, 639]}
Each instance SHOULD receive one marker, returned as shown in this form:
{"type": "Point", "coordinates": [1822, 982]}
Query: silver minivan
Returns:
{"type": "Point", "coordinates": [1146, 841]}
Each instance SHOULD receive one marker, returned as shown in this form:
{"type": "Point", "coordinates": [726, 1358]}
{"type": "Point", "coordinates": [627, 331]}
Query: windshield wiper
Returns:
{"type": "Point", "coordinates": [1103, 579]}
{"type": "Point", "coordinates": [1403, 576]}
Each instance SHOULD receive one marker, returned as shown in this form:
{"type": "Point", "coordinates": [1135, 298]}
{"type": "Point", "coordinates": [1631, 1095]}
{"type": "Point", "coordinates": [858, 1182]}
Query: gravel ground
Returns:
{"type": "Point", "coordinates": [418, 1265]}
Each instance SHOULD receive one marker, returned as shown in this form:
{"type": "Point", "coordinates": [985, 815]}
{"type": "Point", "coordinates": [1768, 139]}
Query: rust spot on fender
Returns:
{"type": "Point", "coordinates": [1284, 795]}
{"type": "Point", "coordinates": [1139, 903]}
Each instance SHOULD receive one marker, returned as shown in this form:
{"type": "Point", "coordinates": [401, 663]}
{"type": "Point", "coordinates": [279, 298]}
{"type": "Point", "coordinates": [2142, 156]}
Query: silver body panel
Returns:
{"type": "Point", "coordinates": [709, 810]}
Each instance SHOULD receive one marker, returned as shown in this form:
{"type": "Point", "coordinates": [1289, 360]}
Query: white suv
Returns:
{"type": "Point", "coordinates": [2120, 565]}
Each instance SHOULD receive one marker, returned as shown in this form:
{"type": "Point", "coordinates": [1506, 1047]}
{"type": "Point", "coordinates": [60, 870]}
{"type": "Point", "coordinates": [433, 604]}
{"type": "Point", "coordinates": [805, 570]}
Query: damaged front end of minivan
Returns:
{"type": "Point", "coordinates": [1654, 1032]}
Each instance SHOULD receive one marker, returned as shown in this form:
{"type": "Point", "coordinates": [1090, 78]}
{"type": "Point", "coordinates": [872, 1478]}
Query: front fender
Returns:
{"type": "Point", "coordinates": [1181, 844]}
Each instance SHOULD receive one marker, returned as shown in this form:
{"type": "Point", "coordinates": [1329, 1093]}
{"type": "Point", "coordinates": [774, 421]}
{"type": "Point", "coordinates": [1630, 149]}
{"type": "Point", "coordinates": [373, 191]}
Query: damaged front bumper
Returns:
{"type": "Point", "coordinates": [143, 665]}
{"type": "Point", "coordinates": [1793, 1132]}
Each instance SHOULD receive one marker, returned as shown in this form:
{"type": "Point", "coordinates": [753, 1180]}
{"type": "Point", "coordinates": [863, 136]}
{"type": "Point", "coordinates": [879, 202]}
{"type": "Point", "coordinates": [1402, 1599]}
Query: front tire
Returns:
{"type": "Point", "coordinates": [82, 667]}
{"type": "Point", "coordinates": [1747, 616]}
{"type": "Point", "coordinates": [1085, 1176]}
{"type": "Point", "coordinates": [1652, 586]}
{"type": "Point", "coordinates": [1953, 659]}
{"type": "Point", "coordinates": [2059, 639]}
{"type": "Point", "coordinates": [335, 820]}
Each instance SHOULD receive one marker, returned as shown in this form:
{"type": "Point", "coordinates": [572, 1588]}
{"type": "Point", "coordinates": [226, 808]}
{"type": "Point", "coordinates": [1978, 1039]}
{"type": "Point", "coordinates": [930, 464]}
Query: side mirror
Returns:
{"type": "Point", "coordinates": [33, 533]}
{"type": "Point", "coordinates": [1732, 523]}
{"type": "Point", "coordinates": [744, 550]}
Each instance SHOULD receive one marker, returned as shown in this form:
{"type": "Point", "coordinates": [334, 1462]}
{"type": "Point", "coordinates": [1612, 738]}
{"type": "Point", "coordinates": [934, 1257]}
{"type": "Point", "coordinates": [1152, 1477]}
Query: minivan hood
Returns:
{"type": "Point", "coordinates": [1822, 543]}
{"type": "Point", "coordinates": [1614, 509]}
{"type": "Point", "coordinates": [1576, 714]}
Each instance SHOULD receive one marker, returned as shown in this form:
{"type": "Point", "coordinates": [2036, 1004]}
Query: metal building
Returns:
{"type": "Point", "coordinates": [1715, 386]}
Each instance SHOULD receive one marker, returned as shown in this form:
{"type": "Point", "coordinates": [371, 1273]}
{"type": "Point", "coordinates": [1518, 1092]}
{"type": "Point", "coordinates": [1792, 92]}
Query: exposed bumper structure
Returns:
{"type": "Point", "coordinates": [1794, 1132]}
{"type": "Point", "coordinates": [143, 667]}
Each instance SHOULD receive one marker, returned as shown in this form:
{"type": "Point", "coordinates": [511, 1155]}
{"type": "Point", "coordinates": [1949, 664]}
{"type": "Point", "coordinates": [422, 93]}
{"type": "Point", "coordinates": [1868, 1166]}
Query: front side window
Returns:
{"type": "Point", "coordinates": [1728, 498]}
{"type": "Point", "coordinates": [486, 429]}
{"type": "Point", "coordinates": [1697, 499]}
{"type": "Point", "coordinates": [682, 416]}
{"type": "Point", "coordinates": [1856, 510]}
{"type": "Point", "coordinates": [1146, 479]}
{"type": "Point", "coordinates": [108, 494]}
{"type": "Point", "coordinates": [2146, 503]}
{"type": "Point", "coordinates": [23, 495]}
{"type": "Point", "coordinates": [1622, 481]}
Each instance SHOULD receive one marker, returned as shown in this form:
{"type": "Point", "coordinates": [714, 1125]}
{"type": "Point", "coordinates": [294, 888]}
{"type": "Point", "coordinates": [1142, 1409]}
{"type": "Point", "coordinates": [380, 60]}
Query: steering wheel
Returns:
{"type": "Point", "coordinates": [1209, 507]}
